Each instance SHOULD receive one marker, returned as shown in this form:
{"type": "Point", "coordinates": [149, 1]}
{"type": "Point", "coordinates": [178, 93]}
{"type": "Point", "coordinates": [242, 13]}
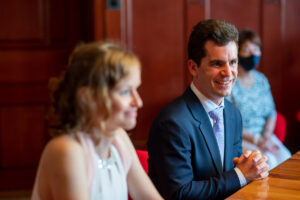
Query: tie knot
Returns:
{"type": "Point", "coordinates": [216, 113]}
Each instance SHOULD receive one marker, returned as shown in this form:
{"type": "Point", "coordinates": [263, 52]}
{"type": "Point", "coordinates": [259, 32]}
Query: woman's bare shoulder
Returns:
{"type": "Point", "coordinates": [64, 150]}
{"type": "Point", "coordinates": [63, 144]}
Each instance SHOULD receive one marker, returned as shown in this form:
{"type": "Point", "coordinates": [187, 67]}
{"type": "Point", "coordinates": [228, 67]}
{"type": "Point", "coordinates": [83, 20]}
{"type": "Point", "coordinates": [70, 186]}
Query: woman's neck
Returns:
{"type": "Point", "coordinates": [246, 78]}
{"type": "Point", "coordinates": [102, 144]}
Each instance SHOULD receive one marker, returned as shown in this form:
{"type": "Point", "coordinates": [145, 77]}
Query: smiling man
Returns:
{"type": "Point", "coordinates": [195, 142]}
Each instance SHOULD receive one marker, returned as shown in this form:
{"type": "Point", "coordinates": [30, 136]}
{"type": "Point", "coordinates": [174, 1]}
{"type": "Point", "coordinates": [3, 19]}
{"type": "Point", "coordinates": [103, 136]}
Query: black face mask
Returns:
{"type": "Point", "coordinates": [249, 63]}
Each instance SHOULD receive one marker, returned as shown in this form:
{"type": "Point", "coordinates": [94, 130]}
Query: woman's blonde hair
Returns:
{"type": "Point", "coordinates": [83, 91]}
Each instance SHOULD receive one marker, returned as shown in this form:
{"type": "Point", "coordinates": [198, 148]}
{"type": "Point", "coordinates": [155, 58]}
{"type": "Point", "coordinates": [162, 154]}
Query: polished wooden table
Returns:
{"type": "Point", "coordinates": [283, 183]}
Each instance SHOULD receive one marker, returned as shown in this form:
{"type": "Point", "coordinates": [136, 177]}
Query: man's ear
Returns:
{"type": "Point", "coordinates": [192, 66]}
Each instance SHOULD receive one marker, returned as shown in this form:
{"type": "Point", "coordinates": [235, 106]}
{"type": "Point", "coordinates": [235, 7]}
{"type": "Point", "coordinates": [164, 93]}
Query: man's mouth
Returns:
{"type": "Point", "coordinates": [223, 83]}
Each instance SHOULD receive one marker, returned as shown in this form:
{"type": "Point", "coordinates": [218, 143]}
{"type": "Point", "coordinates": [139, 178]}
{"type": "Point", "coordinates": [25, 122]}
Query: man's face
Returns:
{"type": "Point", "coordinates": [217, 72]}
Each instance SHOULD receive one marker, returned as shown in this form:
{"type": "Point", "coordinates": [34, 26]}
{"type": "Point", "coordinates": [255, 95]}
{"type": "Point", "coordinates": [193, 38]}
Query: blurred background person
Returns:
{"type": "Point", "coordinates": [252, 95]}
{"type": "Point", "coordinates": [91, 156]}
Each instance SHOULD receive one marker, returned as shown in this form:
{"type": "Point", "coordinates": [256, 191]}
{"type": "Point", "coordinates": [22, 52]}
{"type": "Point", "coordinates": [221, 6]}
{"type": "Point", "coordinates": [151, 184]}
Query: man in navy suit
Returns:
{"type": "Point", "coordinates": [187, 159]}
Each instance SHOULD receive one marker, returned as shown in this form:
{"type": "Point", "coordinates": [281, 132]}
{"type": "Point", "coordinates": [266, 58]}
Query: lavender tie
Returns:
{"type": "Point", "coordinates": [218, 126]}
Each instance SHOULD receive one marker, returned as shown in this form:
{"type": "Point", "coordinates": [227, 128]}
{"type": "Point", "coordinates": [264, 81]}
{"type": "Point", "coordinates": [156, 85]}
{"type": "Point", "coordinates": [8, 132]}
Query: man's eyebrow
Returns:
{"type": "Point", "coordinates": [216, 61]}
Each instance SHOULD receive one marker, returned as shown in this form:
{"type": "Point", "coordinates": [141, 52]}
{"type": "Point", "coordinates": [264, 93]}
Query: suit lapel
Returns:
{"type": "Point", "coordinates": [228, 130]}
{"type": "Point", "coordinates": [200, 115]}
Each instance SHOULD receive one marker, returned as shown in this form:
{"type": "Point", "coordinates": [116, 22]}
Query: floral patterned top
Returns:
{"type": "Point", "coordinates": [255, 103]}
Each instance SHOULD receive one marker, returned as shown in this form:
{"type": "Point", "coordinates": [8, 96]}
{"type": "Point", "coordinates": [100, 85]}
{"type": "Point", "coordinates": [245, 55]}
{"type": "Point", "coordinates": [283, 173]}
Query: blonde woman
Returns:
{"type": "Point", "coordinates": [91, 156]}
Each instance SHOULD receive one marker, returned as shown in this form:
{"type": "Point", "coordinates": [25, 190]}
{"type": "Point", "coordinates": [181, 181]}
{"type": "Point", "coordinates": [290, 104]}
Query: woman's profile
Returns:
{"type": "Point", "coordinates": [90, 155]}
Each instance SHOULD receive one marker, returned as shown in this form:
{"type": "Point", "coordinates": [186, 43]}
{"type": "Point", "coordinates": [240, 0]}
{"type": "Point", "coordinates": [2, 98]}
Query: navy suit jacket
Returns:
{"type": "Point", "coordinates": [184, 159]}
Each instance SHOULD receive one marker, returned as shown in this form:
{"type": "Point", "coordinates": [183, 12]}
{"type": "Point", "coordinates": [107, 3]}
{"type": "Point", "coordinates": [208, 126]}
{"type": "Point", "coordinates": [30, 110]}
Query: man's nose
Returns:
{"type": "Point", "coordinates": [226, 71]}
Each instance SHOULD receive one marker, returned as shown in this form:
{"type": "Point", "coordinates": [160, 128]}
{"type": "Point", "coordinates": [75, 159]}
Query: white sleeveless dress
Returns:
{"type": "Point", "coordinates": [106, 178]}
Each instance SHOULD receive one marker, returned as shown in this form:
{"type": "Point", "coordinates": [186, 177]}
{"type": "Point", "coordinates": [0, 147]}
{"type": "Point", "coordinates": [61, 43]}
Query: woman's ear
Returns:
{"type": "Point", "coordinates": [88, 105]}
{"type": "Point", "coordinates": [83, 95]}
{"type": "Point", "coordinates": [86, 99]}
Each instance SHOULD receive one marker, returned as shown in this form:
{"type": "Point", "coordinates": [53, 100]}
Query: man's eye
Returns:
{"type": "Point", "coordinates": [233, 62]}
{"type": "Point", "coordinates": [216, 64]}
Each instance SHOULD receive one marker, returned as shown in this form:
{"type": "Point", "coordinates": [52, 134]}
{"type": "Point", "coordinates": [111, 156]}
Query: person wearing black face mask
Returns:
{"type": "Point", "coordinates": [252, 95]}
{"type": "Point", "coordinates": [250, 62]}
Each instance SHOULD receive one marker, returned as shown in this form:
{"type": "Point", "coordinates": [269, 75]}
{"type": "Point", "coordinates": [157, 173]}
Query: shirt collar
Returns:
{"type": "Point", "coordinates": [208, 104]}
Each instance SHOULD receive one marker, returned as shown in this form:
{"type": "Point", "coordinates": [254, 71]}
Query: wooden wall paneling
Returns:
{"type": "Point", "coordinates": [40, 23]}
{"type": "Point", "coordinates": [36, 40]}
{"type": "Point", "coordinates": [24, 66]}
{"type": "Point", "coordinates": [21, 142]}
{"type": "Point", "coordinates": [68, 22]}
{"type": "Point", "coordinates": [196, 10]}
{"type": "Point", "coordinates": [126, 23]}
{"type": "Point", "coordinates": [24, 94]}
{"type": "Point", "coordinates": [113, 24]}
{"type": "Point", "coordinates": [272, 44]}
{"type": "Point", "coordinates": [291, 71]}
{"type": "Point", "coordinates": [57, 17]}
{"type": "Point", "coordinates": [157, 32]}
{"type": "Point", "coordinates": [13, 179]}
{"type": "Point", "coordinates": [98, 20]}
{"type": "Point", "coordinates": [246, 13]}
{"type": "Point", "coordinates": [25, 26]}
{"type": "Point", "coordinates": [19, 146]}
{"type": "Point", "coordinates": [107, 21]}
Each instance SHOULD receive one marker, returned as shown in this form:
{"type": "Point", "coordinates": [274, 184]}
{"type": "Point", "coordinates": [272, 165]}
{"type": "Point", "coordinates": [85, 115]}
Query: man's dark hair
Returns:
{"type": "Point", "coordinates": [248, 35]}
{"type": "Point", "coordinates": [214, 30]}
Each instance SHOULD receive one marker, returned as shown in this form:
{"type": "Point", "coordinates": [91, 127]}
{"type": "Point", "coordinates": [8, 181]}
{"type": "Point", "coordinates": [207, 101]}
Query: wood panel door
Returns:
{"type": "Point", "coordinates": [35, 39]}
